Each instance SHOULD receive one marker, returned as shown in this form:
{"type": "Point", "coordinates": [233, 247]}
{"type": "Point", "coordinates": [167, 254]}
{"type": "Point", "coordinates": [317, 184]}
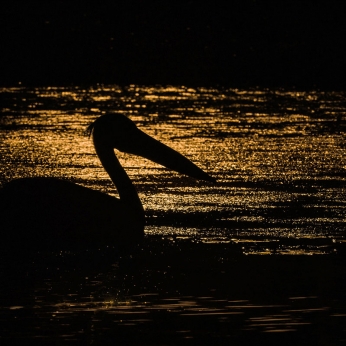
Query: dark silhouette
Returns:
{"type": "Point", "coordinates": [47, 211]}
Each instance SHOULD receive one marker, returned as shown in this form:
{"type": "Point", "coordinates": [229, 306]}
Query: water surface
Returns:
{"type": "Point", "coordinates": [279, 159]}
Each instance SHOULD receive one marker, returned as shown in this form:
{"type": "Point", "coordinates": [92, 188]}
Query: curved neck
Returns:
{"type": "Point", "coordinates": [127, 192]}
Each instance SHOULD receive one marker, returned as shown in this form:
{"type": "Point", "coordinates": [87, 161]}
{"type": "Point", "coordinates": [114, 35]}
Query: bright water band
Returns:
{"type": "Point", "coordinates": [278, 157]}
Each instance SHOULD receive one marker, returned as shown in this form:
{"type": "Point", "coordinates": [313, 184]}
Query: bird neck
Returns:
{"type": "Point", "coordinates": [127, 192]}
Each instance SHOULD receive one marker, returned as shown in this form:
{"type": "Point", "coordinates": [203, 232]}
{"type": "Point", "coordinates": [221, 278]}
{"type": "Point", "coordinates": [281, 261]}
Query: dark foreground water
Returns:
{"type": "Point", "coordinates": [258, 257]}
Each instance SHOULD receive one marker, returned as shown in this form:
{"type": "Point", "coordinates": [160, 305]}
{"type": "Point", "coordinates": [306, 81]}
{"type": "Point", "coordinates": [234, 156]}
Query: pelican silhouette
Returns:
{"type": "Point", "coordinates": [49, 211]}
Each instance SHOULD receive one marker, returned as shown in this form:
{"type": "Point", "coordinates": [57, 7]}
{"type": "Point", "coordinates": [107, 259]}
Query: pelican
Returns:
{"type": "Point", "coordinates": [48, 211]}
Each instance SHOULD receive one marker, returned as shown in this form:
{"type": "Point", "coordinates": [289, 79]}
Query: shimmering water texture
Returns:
{"type": "Point", "coordinates": [278, 156]}
{"type": "Point", "coordinates": [214, 267]}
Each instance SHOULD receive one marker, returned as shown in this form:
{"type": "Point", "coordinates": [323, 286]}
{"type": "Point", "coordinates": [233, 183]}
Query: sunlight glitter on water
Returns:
{"type": "Point", "coordinates": [278, 155]}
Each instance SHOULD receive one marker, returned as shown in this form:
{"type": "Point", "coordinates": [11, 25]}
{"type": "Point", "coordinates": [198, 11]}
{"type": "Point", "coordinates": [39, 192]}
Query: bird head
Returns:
{"type": "Point", "coordinates": [119, 132]}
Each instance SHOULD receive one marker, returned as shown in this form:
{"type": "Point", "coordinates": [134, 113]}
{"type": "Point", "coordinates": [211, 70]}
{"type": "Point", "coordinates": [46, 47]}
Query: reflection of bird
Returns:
{"type": "Point", "coordinates": [46, 211]}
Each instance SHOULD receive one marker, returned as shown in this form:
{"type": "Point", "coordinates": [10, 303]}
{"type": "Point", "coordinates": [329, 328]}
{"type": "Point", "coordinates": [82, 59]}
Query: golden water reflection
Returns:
{"type": "Point", "coordinates": [278, 157]}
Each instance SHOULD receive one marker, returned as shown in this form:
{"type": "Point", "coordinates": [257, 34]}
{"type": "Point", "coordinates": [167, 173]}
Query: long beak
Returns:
{"type": "Point", "coordinates": [149, 148]}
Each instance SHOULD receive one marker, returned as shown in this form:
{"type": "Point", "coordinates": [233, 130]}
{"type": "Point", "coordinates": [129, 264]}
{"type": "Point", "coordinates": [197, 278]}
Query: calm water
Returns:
{"type": "Point", "coordinates": [279, 158]}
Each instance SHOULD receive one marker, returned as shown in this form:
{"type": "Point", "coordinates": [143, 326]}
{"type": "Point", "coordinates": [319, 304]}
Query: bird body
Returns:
{"type": "Point", "coordinates": [52, 212]}
{"type": "Point", "coordinates": [36, 212]}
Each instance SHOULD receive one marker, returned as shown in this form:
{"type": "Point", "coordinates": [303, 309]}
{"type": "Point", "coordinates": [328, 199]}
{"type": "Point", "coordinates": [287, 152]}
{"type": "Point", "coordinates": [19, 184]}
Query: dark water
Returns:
{"type": "Point", "coordinates": [258, 256]}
